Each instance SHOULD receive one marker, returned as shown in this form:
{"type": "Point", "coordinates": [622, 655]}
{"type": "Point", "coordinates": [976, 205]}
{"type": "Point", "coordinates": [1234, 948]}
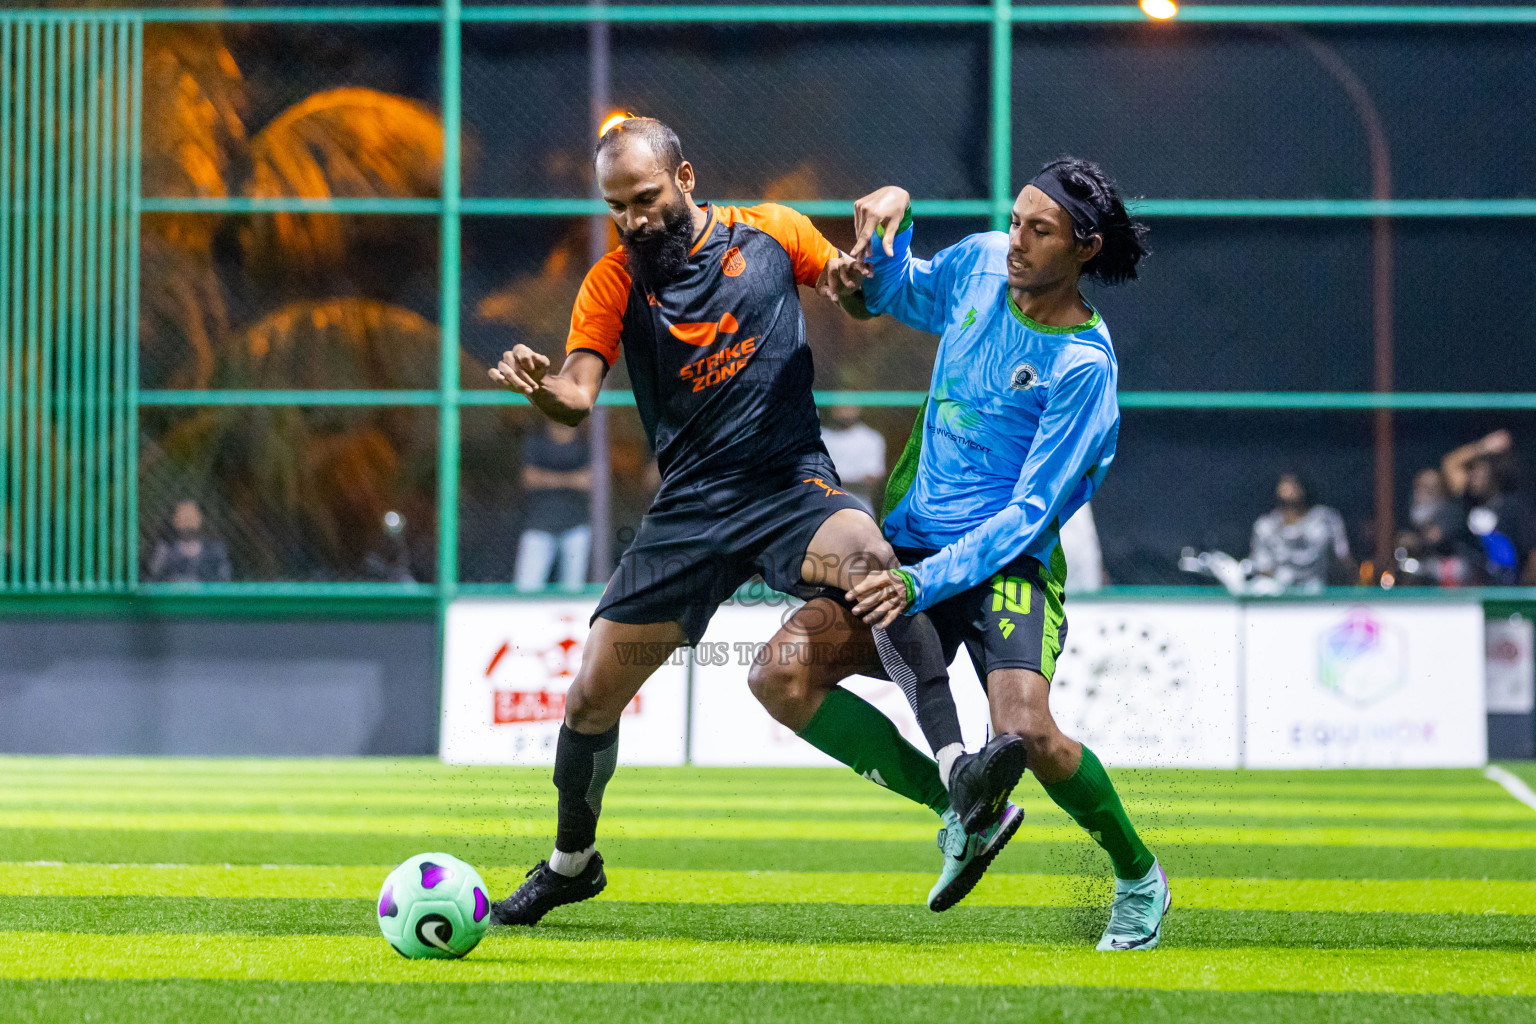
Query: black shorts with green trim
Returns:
{"type": "Point", "coordinates": [697, 545]}
{"type": "Point", "coordinates": [1013, 620]}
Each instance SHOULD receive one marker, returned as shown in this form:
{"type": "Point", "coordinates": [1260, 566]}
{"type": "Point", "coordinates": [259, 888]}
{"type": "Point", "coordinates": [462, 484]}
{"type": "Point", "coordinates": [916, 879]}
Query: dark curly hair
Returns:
{"type": "Point", "coordinates": [1124, 239]}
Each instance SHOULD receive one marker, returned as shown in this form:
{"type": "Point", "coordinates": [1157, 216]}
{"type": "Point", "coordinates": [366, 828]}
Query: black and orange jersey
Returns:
{"type": "Point", "coordinates": [717, 359]}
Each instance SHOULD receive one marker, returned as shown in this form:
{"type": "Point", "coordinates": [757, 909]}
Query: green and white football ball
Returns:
{"type": "Point", "coordinates": [433, 906]}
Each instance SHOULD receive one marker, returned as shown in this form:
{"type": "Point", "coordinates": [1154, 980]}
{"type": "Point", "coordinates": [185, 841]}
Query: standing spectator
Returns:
{"type": "Point", "coordinates": [1300, 542]}
{"type": "Point", "coordinates": [858, 454]}
{"type": "Point", "coordinates": [557, 486]}
{"type": "Point", "coordinates": [189, 555]}
{"type": "Point", "coordinates": [1486, 475]}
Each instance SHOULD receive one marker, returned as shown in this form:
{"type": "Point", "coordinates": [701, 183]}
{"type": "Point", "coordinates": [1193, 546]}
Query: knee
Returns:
{"type": "Point", "coordinates": [1039, 738]}
{"type": "Point", "coordinates": [585, 714]}
{"type": "Point", "coordinates": [873, 543]}
{"type": "Point", "coordinates": [1036, 727]}
{"type": "Point", "coordinates": [784, 690]}
{"type": "Point", "coordinates": [862, 537]}
{"type": "Point", "coordinates": [872, 552]}
{"type": "Point", "coordinates": [1048, 751]}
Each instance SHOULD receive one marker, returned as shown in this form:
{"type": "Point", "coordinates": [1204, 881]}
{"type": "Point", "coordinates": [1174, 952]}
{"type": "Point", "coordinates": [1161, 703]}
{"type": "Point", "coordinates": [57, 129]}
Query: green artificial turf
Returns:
{"type": "Point", "coordinates": [150, 890]}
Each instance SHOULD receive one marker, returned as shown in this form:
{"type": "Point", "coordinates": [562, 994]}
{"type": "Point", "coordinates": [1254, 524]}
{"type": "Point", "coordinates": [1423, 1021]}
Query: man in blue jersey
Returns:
{"type": "Point", "coordinates": [1017, 433]}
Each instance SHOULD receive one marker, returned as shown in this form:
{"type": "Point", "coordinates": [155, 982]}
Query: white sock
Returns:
{"type": "Point", "coordinates": [946, 758]}
{"type": "Point", "coordinates": [570, 864]}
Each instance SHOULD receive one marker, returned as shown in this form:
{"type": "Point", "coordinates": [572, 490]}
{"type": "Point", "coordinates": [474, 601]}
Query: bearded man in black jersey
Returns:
{"type": "Point", "coordinates": [703, 303]}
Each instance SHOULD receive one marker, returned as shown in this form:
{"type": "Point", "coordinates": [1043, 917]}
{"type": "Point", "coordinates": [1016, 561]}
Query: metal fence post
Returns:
{"type": "Point", "coordinates": [130, 440]}
{"type": "Point", "coordinates": [9, 381]}
{"type": "Point", "coordinates": [448, 329]}
{"type": "Point", "coordinates": [1002, 113]}
{"type": "Point", "coordinates": [601, 505]}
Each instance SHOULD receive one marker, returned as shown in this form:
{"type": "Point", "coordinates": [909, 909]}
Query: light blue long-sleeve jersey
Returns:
{"type": "Point", "coordinates": [1020, 424]}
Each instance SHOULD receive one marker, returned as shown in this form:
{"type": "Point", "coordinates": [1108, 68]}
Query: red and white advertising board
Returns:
{"type": "Point", "coordinates": [507, 665]}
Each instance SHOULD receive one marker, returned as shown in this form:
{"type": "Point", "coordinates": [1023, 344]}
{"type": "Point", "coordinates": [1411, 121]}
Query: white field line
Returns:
{"type": "Point", "coordinates": [1513, 784]}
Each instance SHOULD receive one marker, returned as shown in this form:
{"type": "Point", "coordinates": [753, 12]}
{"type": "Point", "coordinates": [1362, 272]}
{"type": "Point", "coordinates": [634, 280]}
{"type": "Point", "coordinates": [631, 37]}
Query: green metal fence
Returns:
{"type": "Point", "coordinates": [69, 157]}
{"type": "Point", "coordinates": [69, 332]}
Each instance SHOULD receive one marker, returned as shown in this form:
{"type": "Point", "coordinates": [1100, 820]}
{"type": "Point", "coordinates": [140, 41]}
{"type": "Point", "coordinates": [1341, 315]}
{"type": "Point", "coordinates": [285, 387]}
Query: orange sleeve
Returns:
{"type": "Point", "coordinates": [598, 315]}
{"type": "Point", "coordinates": [808, 250]}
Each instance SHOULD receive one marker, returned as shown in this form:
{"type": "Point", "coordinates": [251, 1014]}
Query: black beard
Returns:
{"type": "Point", "coordinates": [661, 257]}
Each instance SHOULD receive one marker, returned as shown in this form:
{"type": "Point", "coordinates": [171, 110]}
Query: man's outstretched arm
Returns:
{"type": "Point", "coordinates": [914, 291]}
{"type": "Point", "coordinates": [565, 397]}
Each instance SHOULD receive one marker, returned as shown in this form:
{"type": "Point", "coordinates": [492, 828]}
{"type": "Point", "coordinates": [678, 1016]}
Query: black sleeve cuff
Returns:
{"type": "Point", "coordinates": [606, 364]}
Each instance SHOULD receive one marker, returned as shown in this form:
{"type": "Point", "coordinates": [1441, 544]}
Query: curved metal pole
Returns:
{"type": "Point", "coordinates": [1381, 280]}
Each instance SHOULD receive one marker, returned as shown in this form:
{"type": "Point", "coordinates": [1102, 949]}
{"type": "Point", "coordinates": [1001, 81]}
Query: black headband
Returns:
{"type": "Point", "coordinates": [1084, 214]}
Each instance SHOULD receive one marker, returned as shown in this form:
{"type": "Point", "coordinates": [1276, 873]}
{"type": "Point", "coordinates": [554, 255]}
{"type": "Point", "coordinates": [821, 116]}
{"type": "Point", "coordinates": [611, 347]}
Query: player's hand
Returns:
{"type": "Point", "coordinates": [843, 275]}
{"type": "Point", "coordinates": [882, 207]}
{"type": "Point", "coordinates": [521, 369]}
{"type": "Point", "coordinates": [879, 598]}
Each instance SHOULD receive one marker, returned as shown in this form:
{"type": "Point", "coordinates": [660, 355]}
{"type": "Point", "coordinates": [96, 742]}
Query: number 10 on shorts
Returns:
{"type": "Point", "coordinates": [1010, 593]}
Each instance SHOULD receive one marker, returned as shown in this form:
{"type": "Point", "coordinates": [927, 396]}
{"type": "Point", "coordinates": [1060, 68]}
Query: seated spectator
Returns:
{"type": "Point", "coordinates": [1485, 475]}
{"type": "Point", "coordinates": [557, 486]}
{"type": "Point", "coordinates": [858, 454]}
{"type": "Point", "coordinates": [1436, 549]}
{"type": "Point", "coordinates": [189, 555]}
{"type": "Point", "coordinates": [1300, 543]}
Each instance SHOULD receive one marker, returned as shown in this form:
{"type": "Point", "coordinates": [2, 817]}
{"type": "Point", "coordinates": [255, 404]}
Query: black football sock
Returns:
{"type": "Point", "coordinates": [913, 658]}
{"type": "Point", "coordinates": [583, 765]}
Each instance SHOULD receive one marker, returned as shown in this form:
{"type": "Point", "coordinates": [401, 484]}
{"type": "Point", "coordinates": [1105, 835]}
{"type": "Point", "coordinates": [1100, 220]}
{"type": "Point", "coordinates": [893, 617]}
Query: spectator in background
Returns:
{"type": "Point", "coordinates": [1436, 548]}
{"type": "Point", "coordinates": [858, 454]}
{"type": "Point", "coordinates": [388, 559]}
{"type": "Point", "coordinates": [557, 488]}
{"type": "Point", "coordinates": [1085, 559]}
{"type": "Point", "coordinates": [189, 555]}
{"type": "Point", "coordinates": [1485, 475]}
{"type": "Point", "coordinates": [1300, 543]}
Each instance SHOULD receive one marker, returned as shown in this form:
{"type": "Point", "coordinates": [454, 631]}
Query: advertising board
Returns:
{"type": "Point", "coordinates": [1146, 684]}
{"type": "Point", "coordinates": [1386, 685]}
{"type": "Point", "coordinates": [506, 667]}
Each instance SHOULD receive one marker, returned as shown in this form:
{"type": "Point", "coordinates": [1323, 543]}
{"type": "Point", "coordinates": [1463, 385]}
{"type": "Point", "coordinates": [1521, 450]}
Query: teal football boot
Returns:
{"type": "Point", "coordinates": [1136, 918]}
{"type": "Point", "coordinates": [968, 855]}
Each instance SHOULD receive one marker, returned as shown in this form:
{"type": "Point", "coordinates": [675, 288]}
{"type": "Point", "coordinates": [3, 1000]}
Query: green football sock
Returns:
{"type": "Point", "coordinates": [1091, 799]}
{"type": "Point", "coordinates": [853, 731]}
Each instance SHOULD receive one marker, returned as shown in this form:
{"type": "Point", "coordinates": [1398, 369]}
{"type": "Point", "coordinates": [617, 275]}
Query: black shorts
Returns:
{"type": "Point", "coordinates": [1013, 620]}
{"type": "Point", "coordinates": [698, 545]}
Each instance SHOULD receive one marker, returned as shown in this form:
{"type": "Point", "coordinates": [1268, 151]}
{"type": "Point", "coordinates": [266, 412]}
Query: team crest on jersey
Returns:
{"type": "Point", "coordinates": [733, 262]}
{"type": "Point", "coordinates": [1025, 376]}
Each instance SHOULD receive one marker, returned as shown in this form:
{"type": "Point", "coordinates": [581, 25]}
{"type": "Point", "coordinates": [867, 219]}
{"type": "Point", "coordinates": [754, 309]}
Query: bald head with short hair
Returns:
{"type": "Point", "coordinates": [663, 141]}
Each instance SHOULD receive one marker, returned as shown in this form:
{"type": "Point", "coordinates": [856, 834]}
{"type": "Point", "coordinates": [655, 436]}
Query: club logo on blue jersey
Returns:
{"type": "Point", "coordinates": [1025, 376]}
